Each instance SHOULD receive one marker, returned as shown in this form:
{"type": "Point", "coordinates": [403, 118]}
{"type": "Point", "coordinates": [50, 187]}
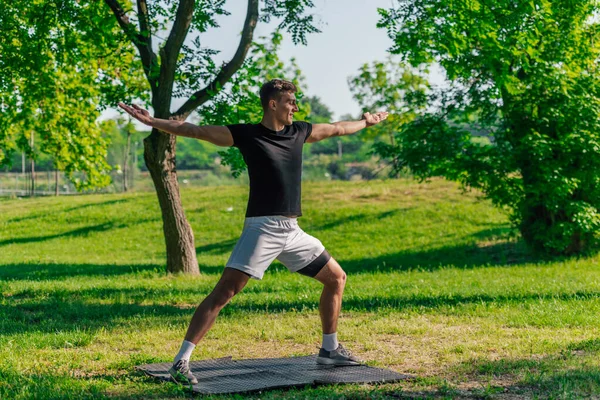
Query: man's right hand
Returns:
{"type": "Point", "coordinates": [138, 113]}
{"type": "Point", "coordinates": [219, 135]}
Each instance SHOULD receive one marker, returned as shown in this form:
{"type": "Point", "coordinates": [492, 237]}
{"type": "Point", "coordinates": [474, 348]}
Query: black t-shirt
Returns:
{"type": "Point", "coordinates": [274, 160]}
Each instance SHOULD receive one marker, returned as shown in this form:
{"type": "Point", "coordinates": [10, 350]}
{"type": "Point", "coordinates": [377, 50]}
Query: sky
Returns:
{"type": "Point", "coordinates": [349, 38]}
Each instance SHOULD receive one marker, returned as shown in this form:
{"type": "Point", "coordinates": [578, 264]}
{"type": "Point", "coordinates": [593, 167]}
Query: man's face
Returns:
{"type": "Point", "coordinates": [285, 108]}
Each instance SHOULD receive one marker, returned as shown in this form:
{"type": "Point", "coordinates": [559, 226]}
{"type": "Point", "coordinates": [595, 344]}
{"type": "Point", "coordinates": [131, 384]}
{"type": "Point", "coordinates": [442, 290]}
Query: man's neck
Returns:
{"type": "Point", "coordinates": [271, 123]}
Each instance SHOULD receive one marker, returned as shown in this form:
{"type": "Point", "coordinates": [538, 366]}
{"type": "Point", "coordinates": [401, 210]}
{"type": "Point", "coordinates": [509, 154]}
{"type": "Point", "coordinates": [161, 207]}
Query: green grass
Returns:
{"type": "Point", "coordinates": [438, 287]}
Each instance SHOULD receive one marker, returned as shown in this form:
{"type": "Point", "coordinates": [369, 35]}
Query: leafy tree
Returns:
{"type": "Point", "coordinates": [114, 133]}
{"type": "Point", "coordinates": [394, 87]}
{"type": "Point", "coordinates": [195, 154]}
{"type": "Point", "coordinates": [352, 147]}
{"type": "Point", "coordinates": [119, 134]}
{"type": "Point", "coordinates": [55, 72]}
{"type": "Point", "coordinates": [528, 71]}
{"type": "Point", "coordinates": [319, 112]}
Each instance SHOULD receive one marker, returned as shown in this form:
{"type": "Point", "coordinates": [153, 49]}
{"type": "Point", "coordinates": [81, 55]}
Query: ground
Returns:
{"type": "Point", "coordinates": [439, 286]}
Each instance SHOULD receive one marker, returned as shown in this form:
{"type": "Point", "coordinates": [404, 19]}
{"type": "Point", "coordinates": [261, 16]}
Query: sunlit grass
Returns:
{"type": "Point", "coordinates": [438, 287]}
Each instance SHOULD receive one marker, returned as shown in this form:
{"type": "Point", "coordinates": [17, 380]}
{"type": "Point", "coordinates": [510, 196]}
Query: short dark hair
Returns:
{"type": "Point", "coordinates": [274, 89]}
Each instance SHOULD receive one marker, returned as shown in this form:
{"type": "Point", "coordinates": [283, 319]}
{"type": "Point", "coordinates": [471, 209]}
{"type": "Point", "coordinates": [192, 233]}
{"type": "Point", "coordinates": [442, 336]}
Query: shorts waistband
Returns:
{"type": "Point", "coordinates": [273, 218]}
{"type": "Point", "coordinates": [279, 219]}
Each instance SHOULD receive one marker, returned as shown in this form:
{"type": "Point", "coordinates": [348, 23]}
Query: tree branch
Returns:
{"type": "Point", "coordinates": [183, 20]}
{"type": "Point", "coordinates": [143, 17]}
{"type": "Point", "coordinates": [140, 40]}
{"type": "Point", "coordinates": [149, 58]}
{"type": "Point", "coordinates": [227, 71]}
{"type": "Point", "coordinates": [169, 54]}
{"type": "Point", "coordinates": [122, 18]}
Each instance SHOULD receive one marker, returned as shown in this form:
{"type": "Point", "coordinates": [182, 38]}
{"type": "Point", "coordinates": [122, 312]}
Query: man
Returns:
{"type": "Point", "coordinates": [272, 150]}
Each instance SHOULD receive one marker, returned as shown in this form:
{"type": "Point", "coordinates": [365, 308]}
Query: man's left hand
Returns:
{"type": "Point", "coordinates": [374, 119]}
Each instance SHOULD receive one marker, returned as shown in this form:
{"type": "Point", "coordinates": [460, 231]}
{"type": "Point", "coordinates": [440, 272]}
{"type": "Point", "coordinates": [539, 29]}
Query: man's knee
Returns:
{"type": "Point", "coordinates": [231, 283]}
{"type": "Point", "coordinates": [221, 295]}
{"type": "Point", "coordinates": [332, 275]}
{"type": "Point", "coordinates": [340, 279]}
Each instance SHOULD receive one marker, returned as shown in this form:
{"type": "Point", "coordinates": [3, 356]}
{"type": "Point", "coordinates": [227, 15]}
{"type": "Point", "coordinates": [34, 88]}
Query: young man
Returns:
{"type": "Point", "coordinates": [272, 150]}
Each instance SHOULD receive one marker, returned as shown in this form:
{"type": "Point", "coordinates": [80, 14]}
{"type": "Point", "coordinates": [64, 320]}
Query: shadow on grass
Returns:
{"type": "Point", "coordinates": [86, 230]}
{"type": "Point", "coordinates": [46, 213]}
{"type": "Point", "coordinates": [461, 256]}
{"type": "Point", "coordinates": [79, 232]}
{"type": "Point", "coordinates": [495, 246]}
{"type": "Point", "coordinates": [58, 271]}
{"type": "Point", "coordinates": [27, 271]}
{"type": "Point", "coordinates": [332, 224]}
{"type": "Point", "coordinates": [54, 315]}
{"type": "Point", "coordinates": [223, 247]}
{"type": "Point", "coordinates": [66, 310]}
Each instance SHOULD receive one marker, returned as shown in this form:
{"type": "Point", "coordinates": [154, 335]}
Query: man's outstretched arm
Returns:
{"type": "Point", "coordinates": [324, 131]}
{"type": "Point", "coordinates": [219, 135]}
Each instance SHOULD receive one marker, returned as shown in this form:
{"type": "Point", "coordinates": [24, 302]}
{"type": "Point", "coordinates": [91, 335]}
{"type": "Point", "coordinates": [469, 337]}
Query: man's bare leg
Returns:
{"type": "Point", "coordinates": [231, 283]}
{"type": "Point", "coordinates": [333, 278]}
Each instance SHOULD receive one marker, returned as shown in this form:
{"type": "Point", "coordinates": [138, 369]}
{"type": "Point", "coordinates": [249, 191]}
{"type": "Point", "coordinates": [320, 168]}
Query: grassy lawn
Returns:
{"type": "Point", "coordinates": [438, 287]}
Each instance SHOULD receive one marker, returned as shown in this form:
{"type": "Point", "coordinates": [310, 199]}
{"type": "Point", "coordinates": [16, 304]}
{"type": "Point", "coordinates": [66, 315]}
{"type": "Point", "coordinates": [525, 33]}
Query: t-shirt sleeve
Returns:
{"type": "Point", "coordinates": [236, 133]}
{"type": "Point", "coordinates": [306, 129]}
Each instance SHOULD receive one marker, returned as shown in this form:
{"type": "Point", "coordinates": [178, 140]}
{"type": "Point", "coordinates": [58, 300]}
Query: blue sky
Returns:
{"type": "Point", "coordinates": [349, 38]}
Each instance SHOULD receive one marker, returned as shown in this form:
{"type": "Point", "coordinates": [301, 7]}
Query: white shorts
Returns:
{"type": "Point", "coordinates": [265, 239]}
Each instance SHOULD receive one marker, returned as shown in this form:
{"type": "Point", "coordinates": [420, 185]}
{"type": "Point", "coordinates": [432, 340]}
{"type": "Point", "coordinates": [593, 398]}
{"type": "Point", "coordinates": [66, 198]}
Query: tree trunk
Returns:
{"type": "Point", "coordinates": [126, 161]}
{"type": "Point", "coordinates": [32, 166]}
{"type": "Point", "coordinates": [24, 174]}
{"type": "Point", "coordinates": [32, 178]}
{"type": "Point", "coordinates": [159, 154]}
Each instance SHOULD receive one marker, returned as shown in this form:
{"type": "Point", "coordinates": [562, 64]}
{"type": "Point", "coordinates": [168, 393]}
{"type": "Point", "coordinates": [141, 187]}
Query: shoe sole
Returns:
{"type": "Point", "coordinates": [329, 361]}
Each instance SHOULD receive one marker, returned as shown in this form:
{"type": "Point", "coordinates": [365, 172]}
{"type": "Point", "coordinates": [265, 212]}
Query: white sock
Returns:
{"type": "Point", "coordinates": [330, 341]}
{"type": "Point", "coordinates": [185, 352]}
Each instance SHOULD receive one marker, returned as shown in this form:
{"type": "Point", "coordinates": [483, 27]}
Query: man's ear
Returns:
{"type": "Point", "coordinates": [272, 105]}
